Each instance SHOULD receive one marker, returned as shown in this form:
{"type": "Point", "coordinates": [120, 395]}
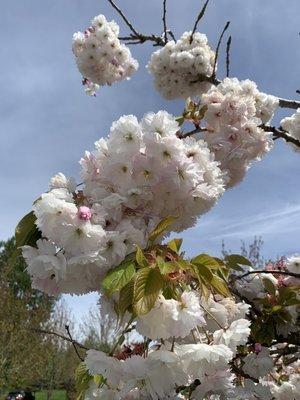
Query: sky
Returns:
{"type": "Point", "coordinates": [47, 121]}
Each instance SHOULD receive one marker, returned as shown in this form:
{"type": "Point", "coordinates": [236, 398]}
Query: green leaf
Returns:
{"type": "Point", "coordinates": [165, 267]}
{"type": "Point", "coordinates": [82, 380]}
{"type": "Point", "coordinates": [171, 292]}
{"type": "Point", "coordinates": [263, 331]}
{"type": "Point", "coordinates": [119, 277]}
{"type": "Point", "coordinates": [276, 308]}
{"type": "Point", "coordinates": [202, 112]}
{"type": "Point", "coordinates": [175, 245]}
{"type": "Point", "coordinates": [99, 380]}
{"type": "Point", "coordinates": [125, 298]}
{"type": "Point", "coordinates": [147, 286]}
{"type": "Point", "coordinates": [161, 228]}
{"type": "Point", "coordinates": [203, 272]}
{"type": "Point", "coordinates": [205, 259]}
{"type": "Point", "coordinates": [237, 259]}
{"type": "Point", "coordinates": [26, 232]}
{"type": "Point", "coordinates": [140, 257]}
{"type": "Point", "coordinates": [220, 286]}
{"type": "Point", "coordinates": [180, 120]}
{"type": "Point", "coordinates": [269, 286]}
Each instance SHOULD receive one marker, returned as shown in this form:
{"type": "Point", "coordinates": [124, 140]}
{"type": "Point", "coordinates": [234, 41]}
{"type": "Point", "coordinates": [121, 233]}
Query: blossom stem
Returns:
{"type": "Point", "coordinates": [213, 317]}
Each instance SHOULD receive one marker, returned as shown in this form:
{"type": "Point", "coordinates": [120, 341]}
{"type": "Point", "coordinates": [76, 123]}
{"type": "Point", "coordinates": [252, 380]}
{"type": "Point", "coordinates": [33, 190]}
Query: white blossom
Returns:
{"type": "Point", "coordinates": [100, 57]}
{"type": "Point", "coordinates": [172, 318]}
{"type": "Point", "coordinates": [237, 334]}
{"type": "Point", "coordinates": [179, 69]}
{"type": "Point", "coordinates": [258, 364]}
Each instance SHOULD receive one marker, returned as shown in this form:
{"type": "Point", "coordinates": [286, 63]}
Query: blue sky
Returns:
{"type": "Point", "coordinates": [47, 121]}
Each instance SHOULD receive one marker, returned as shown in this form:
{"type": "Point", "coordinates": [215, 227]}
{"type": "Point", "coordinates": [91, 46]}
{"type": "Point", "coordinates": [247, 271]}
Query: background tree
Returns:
{"type": "Point", "coordinates": [21, 308]}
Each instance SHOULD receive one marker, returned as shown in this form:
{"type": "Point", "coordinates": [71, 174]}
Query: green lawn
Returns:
{"type": "Point", "coordinates": [56, 395]}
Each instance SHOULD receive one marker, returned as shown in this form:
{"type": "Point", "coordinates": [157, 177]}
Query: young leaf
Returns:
{"type": "Point", "coordinates": [26, 232]}
{"type": "Point", "coordinates": [161, 228]}
{"type": "Point", "coordinates": [237, 259]}
{"type": "Point", "coordinates": [205, 259]}
{"type": "Point", "coordinates": [125, 298]}
{"type": "Point", "coordinates": [269, 286]}
{"type": "Point", "coordinates": [82, 380]}
{"type": "Point", "coordinates": [119, 277]}
{"type": "Point", "coordinates": [175, 245]}
{"type": "Point", "coordinates": [140, 257]}
{"type": "Point", "coordinates": [220, 286]}
{"type": "Point", "coordinates": [166, 267]}
{"type": "Point", "coordinates": [147, 286]}
{"type": "Point", "coordinates": [203, 272]}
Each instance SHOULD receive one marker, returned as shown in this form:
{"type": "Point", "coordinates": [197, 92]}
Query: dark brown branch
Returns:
{"type": "Point", "coordinates": [127, 22]}
{"type": "Point", "coordinates": [46, 332]}
{"type": "Point", "coordinates": [218, 47]}
{"type": "Point", "coordinates": [140, 39]}
{"type": "Point", "coordinates": [280, 133]}
{"type": "Point", "coordinates": [73, 343]}
{"type": "Point", "coordinates": [183, 135]}
{"type": "Point", "coordinates": [284, 103]}
{"type": "Point", "coordinates": [228, 46]}
{"type": "Point", "coordinates": [172, 35]}
{"type": "Point", "coordinates": [287, 273]}
{"type": "Point", "coordinates": [164, 18]}
{"type": "Point", "coordinates": [200, 15]}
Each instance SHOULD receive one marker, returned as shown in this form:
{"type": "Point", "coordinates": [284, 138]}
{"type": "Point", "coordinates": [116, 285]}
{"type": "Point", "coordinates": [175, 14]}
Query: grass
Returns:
{"type": "Point", "coordinates": [56, 395]}
{"type": "Point", "coordinates": [42, 395]}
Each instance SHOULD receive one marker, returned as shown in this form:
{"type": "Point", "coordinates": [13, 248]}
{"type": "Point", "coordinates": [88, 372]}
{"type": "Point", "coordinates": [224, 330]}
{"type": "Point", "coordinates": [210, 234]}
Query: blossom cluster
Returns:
{"type": "Point", "coordinates": [171, 365]}
{"type": "Point", "coordinates": [86, 232]}
{"type": "Point", "coordinates": [235, 111]}
{"type": "Point", "coordinates": [100, 57]}
{"type": "Point", "coordinates": [292, 126]}
{"type": "Point", "coordinates": [180, 69]}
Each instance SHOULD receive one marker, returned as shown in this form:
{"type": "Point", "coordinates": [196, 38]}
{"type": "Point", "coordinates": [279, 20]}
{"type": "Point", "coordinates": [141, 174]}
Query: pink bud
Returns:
{"type": "Point", "coordinates": [84, 213]}
{"type": "Point", "coordinates": [257, 347]}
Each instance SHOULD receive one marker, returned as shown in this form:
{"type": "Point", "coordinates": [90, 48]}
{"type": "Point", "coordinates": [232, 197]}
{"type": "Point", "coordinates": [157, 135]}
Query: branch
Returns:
{"type": "Point", "coordinates": [165, 20]}
{"type": "Point", "coordinates": [73, 343]}
{"type": "Point", "coordinates": [287, 273]}
{"type": "Point", "coordinates": [140, 39]}
{"type": "Point", "coordinates": [182, 135]}
{"type": "Point", "coordinates": [129, 24]}
{"type": "Point", "coordinates": [228, 46]}
{"type": "Point", "coordinates": [284, 103]}
{"type": "Point", "coordinates": [218, 47]}
{"type": "Point", "coordinates": [280, 133]}
{"type": "Point", "coordinates": [201, 14]}
{"type": "Point", "coordinates": [46, 332]}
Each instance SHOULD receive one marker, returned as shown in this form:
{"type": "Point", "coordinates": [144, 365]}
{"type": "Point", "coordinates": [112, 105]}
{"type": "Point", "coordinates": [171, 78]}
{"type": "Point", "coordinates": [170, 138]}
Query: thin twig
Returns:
{"type": "Point", "coordinates": [218, 47]}
{"type": "Point", "coordinates": [74, 345]}
{"type": "Point", "coordinates": [164, 18]}
{"type": "Point", "coordinates": [127, 22]}
{"type": "Point", "coordinates": [47, 332]}
{"type": "Point", "coordinates": [200, 15]}
{"type": "Point", "coordinates": [172, 35]}
{"type": "Point", "coordinates": [287, 273]}
{"type": "Point", "coordinates": [280, 133]}
{"type": "Point", "coordinates": [228, 46]}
